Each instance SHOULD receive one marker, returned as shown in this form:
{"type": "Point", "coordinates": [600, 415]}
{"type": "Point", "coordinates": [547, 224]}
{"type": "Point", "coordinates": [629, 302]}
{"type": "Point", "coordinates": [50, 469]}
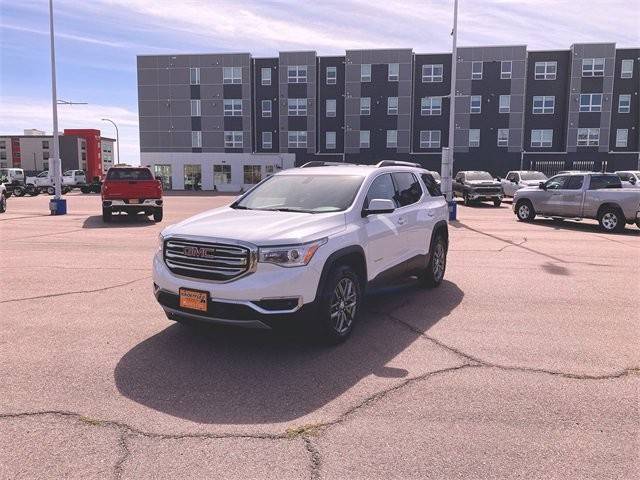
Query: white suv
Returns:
{"type": "Point", "coordinates": [302, 246]}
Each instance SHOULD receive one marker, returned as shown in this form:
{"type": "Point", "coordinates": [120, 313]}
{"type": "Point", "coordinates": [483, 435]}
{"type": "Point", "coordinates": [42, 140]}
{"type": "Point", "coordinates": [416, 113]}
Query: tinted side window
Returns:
{"type": "Point", "coordinates": [575, 182]}
{"type": "Point", "coordinates": [604, 181]}
{"type": "Point", "coordinates": [381, 188]}
{"type": "Point", "coordinates": [623, 176]}
{"type": "Point", "coordinates": [558, 182]}
{"type": "Point", "coordinates": [511, 177]}
{"type": "Point", "coordinates": [408, 188]}
{"type": "Point", "coordinates": [432, 186]}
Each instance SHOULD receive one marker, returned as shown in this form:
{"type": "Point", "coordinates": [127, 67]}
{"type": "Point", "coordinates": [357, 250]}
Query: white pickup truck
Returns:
{"type": "Point", "coordinates": [70, 179]}
{"type": "Point", "coordinates": [517, 179]}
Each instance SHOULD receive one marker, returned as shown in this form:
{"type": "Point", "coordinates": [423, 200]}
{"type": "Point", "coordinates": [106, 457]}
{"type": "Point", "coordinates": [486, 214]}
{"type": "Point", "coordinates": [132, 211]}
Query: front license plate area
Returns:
{"type": "Point", "coordinates": [194, 299]}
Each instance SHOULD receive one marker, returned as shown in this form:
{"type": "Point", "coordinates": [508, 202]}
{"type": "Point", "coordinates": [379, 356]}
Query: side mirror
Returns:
{"type": "Point", "coordinates": [632, 180]}
{"type": "Point", "coordinates": [543, 186]}
{"type": "Point", "coordinates": [379, 205]}
{"type": "Point", "coordinates": [514, 180]}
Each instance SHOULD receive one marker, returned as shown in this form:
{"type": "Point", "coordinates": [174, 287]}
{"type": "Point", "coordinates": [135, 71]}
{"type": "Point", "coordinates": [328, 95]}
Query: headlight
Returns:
{"type": "Point", "coordinates": [290, 255]}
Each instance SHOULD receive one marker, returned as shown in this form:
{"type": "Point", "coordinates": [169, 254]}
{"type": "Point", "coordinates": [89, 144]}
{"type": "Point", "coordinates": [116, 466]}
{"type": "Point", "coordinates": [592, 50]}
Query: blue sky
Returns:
{"type": "Point", "coordinates": [97, 42]}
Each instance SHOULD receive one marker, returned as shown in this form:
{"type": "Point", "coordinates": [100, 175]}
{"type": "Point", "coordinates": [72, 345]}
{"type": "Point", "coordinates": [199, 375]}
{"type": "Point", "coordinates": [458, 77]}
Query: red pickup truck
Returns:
{"type": "Point", "coordinates": [131, 190]}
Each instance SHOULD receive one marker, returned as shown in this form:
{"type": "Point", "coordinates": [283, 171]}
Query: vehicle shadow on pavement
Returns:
{"type": "Point", "coordinates": [233, 376]}
{"type": "Point", "coordinates": [118, 221]}
{"type": "Point", "coordinates": [590, 226]}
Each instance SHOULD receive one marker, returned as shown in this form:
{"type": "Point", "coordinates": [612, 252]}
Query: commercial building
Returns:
{"type": "Point", "coordinates": [80, 149]}
{"type": "Point", "coordinates": [225, 121]}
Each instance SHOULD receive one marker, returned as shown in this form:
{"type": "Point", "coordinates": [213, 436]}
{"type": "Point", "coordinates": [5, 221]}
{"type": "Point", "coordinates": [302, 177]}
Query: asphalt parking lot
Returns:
{"type": "Point", "coordinates": [523, 364]}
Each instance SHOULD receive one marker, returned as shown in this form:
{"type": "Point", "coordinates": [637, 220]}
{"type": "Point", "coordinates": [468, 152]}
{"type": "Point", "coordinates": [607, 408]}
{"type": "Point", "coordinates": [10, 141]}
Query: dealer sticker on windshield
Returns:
{"type": "Point", "coordinates": [194, 299]}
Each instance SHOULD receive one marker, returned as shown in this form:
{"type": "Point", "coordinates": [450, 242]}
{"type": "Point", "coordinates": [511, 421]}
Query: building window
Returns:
{"type": "Point", "coordinates": [626, 68]}
{"type": "Point", "coordinates": [330, 140]}
{"type": "Point", "coordinates": [365, 106]}
{"type": "Point", "coordinates": [541, 138]}
{"type": "Point", "coordinates": [429, 138]}
{"type": "Point", "coordinates": [505, 69]}
{"type": "Point", "coordinates": [503, 137]}
{"type": "Point", "coordinates": [474, 137]}
{"type": "Point", "coordinates": [266, 108]}
{"type": "Point", "coordinates": [192, 177]}
{"type": "Point", "coordinates": [622, 135]}
{"type": "Point", "coordinates": [392, 138]}
{"type": "Point", "coordinates": [476, 104]}
{"type": "Point", "coordinates": [546, 70]}
{"type": "Point", "coordinates": [265, 76]}
{"type": "Point", "coordinates": [252, 174]}
{"type": "Point", "coordinates": [233, 139]}
{"type": "Point", "coordinates": [624, 103]}
{"type": "Point", "coordinates": [365, 139]}
{"type": "Point", "coordinates": [432, 73]}
{"type": "Point", "coordinates": [45, 155]}
{"type": "Point", "coordinates": [332, 75]}
{"type": "Point", "coordinates": [544, 104]}
{"type": "Point", "coordinates": [591, 102]}
{"type": "Point", "coordinates": [232, 75]}
{"type": "Point", "coordinates": [267, 140]}
{"type": "Point", "coordinates": [431, 106]}
{"type": "Point", "coordinates": [269, 170]}
{"type": "Point", "coordinates": [476, 70]}
{"type": "Point", "coordinates": [588, 137]}
{"type": "Point", "coordinates": [297, 139]}
{"type": "Point", "coordinates": [3, 144]}
{"type": "Point", "coordinates": [593, 67]}
{"type": "Point", "coordinates": [331, 107]}
{"type": "Point", "coordinates": [45, 144]}
{"type": "Point", "coordinates": [297, 74]}
{"type": "Point", "coordinates": [394, 72]}
{"type": "Point", "coordinates": [505, 104]}
{"type": "Point", "coordinates": [221, 174]}
{"type": "Point", "coordinates": [297, 107]}
{"type": "Point", "coordinates": [196, 139]}
{"type": "Point", "coordinates": [365, 72]}
{"type": "Point", "coordinates": [392, 106]}
{"type": "Point", "coordinates": [195, 108]}
{"type": "Point", "coordinates": [194, 76]}
{"type": "Point", "coordinates": [232, 107]}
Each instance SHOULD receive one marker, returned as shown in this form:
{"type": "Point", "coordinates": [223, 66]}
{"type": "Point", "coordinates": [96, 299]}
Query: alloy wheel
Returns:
{"type": "Point", "coordinates": [439, 259]}
{"type": "Point", "coordinates": [523, 211]}
{"type": "Point", "coordinates": [610, 221]}
{"type": "Point", "coordinates": [343, 306]}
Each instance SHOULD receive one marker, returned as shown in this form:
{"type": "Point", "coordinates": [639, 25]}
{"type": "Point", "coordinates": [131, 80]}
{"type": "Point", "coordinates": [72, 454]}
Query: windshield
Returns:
{"type": "Point", "coordinates": [129, 174]}
{"type": "Point", "coordinates": [303, 193]}
{"type": "Point", "coordinates": [533, 176]}
{"type": "Point", "coordinates": [478, 176]}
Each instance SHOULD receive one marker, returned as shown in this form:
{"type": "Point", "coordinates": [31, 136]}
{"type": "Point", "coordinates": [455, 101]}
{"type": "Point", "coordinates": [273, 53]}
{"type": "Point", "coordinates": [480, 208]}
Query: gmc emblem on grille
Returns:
{"type": "Point", "coordinates": [199, 252]}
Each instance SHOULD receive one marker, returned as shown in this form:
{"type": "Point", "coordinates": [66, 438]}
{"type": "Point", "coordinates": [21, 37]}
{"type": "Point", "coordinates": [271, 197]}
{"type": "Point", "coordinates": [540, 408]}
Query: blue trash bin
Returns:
{"type": "Point", "coordinates": [453, 210]}
{"type": "Point", "coordinates": [58, 206]}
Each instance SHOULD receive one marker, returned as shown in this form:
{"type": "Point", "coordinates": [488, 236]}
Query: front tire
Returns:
{"type": "Point", "coordinates": [525, 211]}
{"type": "Point", "coordinates": [611, 220]}
{"type": "Point", "coordinates": [157, 215]}
{"type": "Point", "coordinates": [497, 202]}
{"type": "Point", "coordinates": [433, 275]}
{"type": "Point", "coordinates": [339, 306]}
{"type": "Point", "coordinates": [18, 191]}
{"type": "Point", "coordinates": [51, 190]}
{"type": "Point", "coordinates": [106, 215]}
{"type": "Point", "coordinates": [466, 199]}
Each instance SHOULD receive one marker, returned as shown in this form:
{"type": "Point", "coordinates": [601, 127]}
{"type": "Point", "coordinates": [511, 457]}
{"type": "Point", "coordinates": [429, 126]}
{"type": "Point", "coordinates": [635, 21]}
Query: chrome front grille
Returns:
{"type": "Point", "coordinates": [485, 190]}
{"type": "Point", "coordinates": [220, 262]}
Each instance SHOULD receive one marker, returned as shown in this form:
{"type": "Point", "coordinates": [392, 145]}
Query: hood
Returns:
{"type": "Point", "coordinates": [483, 183]}
{"type": "Point", "coordinates": [531, 183]}
{"type": "Point", "coordinates": [259, 227]}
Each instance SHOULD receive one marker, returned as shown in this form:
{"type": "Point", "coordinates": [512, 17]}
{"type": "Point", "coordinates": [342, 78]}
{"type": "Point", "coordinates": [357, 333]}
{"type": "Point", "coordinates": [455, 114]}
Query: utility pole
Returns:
{"type": "Point", "coordinates": [58, 205]}
{"type": "Point", "coordinates": [447, 153]}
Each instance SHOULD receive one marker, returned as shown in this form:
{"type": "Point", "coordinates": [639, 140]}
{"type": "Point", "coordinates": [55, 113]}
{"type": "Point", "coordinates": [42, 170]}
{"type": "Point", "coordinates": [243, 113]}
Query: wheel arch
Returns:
{"type": "Point", "coordinates": [610, 205]}
{"type": "Point", "coordinates": [352, 256]}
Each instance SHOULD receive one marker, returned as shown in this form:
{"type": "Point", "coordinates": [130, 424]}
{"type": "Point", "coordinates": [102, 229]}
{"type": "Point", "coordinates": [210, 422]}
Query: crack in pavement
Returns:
{"type": "Point", "coordinates": [126, 453]}
{"type": "Point", "coordinates": [52, 295]}
{"type": "Point", "coordinates": [315, 459]}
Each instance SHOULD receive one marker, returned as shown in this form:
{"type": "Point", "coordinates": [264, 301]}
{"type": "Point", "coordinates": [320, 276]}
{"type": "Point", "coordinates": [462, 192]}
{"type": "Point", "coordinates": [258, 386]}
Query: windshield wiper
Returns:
{"type": "Point", "coordinates": [239, 207]}
{"type": "Point", "coordinates": [286, 209]}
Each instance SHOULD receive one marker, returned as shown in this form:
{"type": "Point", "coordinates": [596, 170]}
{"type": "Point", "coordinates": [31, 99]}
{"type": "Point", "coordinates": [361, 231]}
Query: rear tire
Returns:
{"type": "Point", "coordinates": [497, 202]}
{"type": "Point", "coordinates": [106, 215]}
{"type": "Point", "coordinates": [18, 191]}
{"type": "Point", "coordinates": [339, 305]}
{"type": "Point", "coordinates": [611, 220]}
{"type": "Point", "coordinates": [525, 211]}
{"type": "Point", "coordinates": [85, 189]}
{"type": "Point", "coordinates": [157, 215]}
{"type": "Point", "coordinates": [3, 203]}
{"type": "Point", "coordinates": [51, 190]}
{"type": "Point", "coordinates": [433, 275]}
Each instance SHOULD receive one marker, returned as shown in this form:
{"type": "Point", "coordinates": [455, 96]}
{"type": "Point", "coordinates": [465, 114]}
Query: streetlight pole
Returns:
{"type": "Point", "coordinates": [117, 137]}
{"type": "Point", "coordinates": [58, 205]}
{"type": "Point", "coordinates": [447, 152]}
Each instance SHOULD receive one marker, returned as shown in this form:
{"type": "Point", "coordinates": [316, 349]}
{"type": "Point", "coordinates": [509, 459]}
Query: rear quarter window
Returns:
{"type": "Point", "coordinates": [130, 174]}
{"type": "Point", "coordinates": [604, 181]}
{"type": "Point", "coordinates": [431, 184]}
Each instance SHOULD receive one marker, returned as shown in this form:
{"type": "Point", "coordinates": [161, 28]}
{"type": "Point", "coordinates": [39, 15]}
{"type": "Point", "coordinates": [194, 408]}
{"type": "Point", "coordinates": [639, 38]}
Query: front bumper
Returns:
{"type": "Point", "coordinates": [485, 196]}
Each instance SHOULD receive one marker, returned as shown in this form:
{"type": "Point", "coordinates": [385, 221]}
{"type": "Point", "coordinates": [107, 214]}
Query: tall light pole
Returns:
{"type": "Point", "coordinates": [117, 137]}
{"type": "Point", "coordinates": [57, 205]}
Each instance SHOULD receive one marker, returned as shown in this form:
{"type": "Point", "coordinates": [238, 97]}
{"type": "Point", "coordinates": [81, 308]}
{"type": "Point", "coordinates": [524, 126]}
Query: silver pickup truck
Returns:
{"type": "Point", "coordinates": [598, 196]}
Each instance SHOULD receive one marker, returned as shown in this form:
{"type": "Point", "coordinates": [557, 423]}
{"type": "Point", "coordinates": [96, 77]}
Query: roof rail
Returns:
{"type": "Point", "coordinates": [322, 163]}
{"type": "Point", "coordinates": [397, 163]}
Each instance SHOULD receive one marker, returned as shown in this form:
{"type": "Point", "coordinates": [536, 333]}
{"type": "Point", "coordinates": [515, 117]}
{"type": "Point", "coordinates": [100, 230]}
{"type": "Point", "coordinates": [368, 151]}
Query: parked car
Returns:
{"type": "Point", "coordinates": [14, 181]}
{"type": "Point", "coordinates": [517, 179]}
{"type": "Point", "coordinates": [302, 246]}
{"type": "Point", "coordinates": [477, 186]}
{"type": "Point", "coordinates": [131, 190]}
{"type": "Point", "coordinates": [44, 183]}
{"type": "Point", "coordinates": [598, 196]}
{"type": "Point", "coordinates": [629, 178]}
{"type": "Point", "coordinates": [3, 198]}
{"type": "Point", "coordinates": [74, 178]}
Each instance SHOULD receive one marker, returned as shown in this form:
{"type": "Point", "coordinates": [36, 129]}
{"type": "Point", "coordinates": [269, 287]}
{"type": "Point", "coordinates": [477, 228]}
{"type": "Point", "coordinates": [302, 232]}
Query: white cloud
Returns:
{"type": "Point", "coordinates": [20, 113]}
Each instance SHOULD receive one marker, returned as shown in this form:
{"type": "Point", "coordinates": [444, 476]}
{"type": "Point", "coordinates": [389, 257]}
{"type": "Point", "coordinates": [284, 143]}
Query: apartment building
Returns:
{"type": "Point", "coordinates": [80, 149]}
{"type": "Point", "coordinates": [225, 121]}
